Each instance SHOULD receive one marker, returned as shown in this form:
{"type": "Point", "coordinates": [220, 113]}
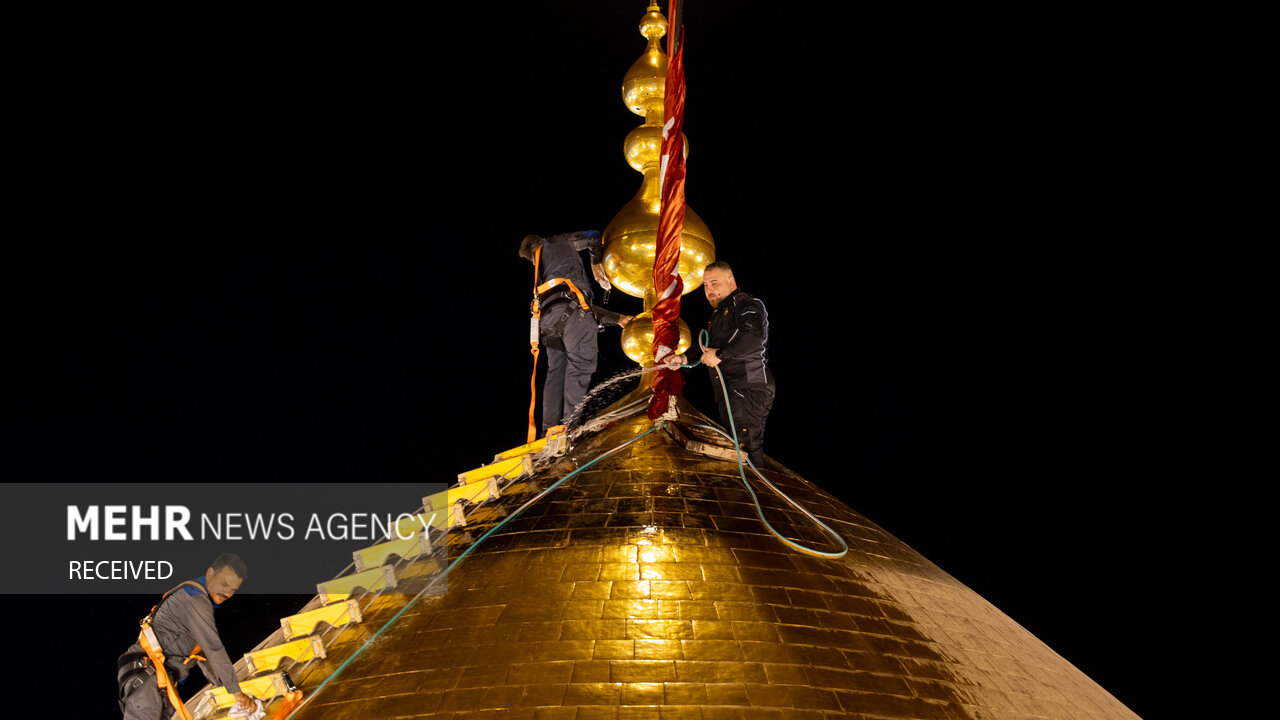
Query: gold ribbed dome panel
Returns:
{"type": "Point", "coordinates": [646, 587]}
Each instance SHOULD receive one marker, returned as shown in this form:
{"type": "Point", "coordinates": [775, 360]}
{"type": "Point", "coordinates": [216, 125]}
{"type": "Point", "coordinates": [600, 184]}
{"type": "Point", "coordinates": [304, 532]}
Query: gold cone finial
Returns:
{"type": "Point", "coordinates": [630, 240]}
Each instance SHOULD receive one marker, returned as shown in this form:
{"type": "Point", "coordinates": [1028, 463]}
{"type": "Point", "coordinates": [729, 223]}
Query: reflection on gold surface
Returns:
{"type": "Point", "coordinates": [630, 238]}
{"type": "Point", "coordinates": [637, 338]}
{"type": "Point", "coordinates": [646, 586]}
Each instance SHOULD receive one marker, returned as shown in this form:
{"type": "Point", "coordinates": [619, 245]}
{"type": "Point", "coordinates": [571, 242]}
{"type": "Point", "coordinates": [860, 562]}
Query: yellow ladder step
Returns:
{"type": "Point", "coordinates": [439, 519]}
{"type": "Point", "coordinates": [444, 514]}
{"type": "Point", "coordinates": [263, 687]}
{"type": "Point", "coordinates": [453, 514]}
{"type": "Point", "coordinates": [532, 448]}
{"type": "Point", "coordinates": [336, 615]}
{"type": "Point", "coordinates": [371, 580]}
{"type": "Point", "coordinates": [509, 468]}
{"type": "Point", "coordinates": [555, 443]}
{"type": "Point", "coordinates": [376, 556]}
{"type": "Point", "coordinates": [451, 511]}
{"type": "Point", "coordinates": [475, 493]}
{"type": "Point", "coordinates": [266, 659]}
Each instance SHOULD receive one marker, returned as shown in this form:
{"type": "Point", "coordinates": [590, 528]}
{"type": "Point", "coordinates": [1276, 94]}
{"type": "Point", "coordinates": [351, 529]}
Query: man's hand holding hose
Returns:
{"type": "Point", "coordinates": [709, 358]}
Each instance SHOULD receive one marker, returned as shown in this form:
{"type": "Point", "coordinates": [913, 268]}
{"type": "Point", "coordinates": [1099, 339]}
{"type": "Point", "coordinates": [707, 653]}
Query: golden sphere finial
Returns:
{"type": "Point", "coordinates": [642, 86]}
{"type": "Point", "coordinates": [630, 239]}
{"type": "Point", "coordinates": [637, 338]}
{"type": "Point", "coordinates": [654, 24]}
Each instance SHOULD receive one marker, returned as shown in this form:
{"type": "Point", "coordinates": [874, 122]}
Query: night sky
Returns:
{"type": "Point", "coordinates": [287, 252]}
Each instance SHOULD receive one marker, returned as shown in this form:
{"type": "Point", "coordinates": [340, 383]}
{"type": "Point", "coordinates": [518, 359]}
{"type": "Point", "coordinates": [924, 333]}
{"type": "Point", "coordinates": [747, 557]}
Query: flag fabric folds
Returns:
{"type": "Point", "coordinates": [666, 274]}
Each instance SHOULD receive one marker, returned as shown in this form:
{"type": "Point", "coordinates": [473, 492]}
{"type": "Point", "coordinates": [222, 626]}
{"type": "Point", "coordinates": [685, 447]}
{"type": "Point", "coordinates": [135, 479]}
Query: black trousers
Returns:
{"type": "Point", "coordinates": [751, 405]}
{"type": "Point", "coordinates": [140, 695]}
{"type": "Point", "coordinates": [569, 334]}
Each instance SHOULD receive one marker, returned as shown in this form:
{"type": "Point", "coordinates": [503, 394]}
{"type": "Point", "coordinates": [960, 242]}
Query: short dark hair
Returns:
{"type": "Point", "coordinates": [232, 561]}
{"type": "Point", "coordinates": [528, 245]}
{"type": "Point", "coordinates": [718, 265]}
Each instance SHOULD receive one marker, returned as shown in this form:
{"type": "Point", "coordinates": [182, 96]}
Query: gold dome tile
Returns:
{"type": "Point", "coordinates": [633, 608]}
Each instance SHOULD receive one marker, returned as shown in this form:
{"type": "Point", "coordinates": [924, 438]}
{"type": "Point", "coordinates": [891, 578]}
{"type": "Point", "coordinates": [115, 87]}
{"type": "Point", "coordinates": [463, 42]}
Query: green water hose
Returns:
{"type": "Point", "coordinates": [744, 461]}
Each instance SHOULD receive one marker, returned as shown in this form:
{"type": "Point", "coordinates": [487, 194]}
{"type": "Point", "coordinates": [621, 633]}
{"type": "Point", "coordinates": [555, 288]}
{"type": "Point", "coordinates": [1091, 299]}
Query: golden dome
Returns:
{"type": "Point", "coordinates": [646, 586]}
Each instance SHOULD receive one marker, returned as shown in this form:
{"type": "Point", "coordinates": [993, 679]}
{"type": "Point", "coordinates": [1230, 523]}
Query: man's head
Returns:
{"type": "Point", "coordinates": [718, 282]}
{"type": "Point", "coordinates": [528, 245]}
{"type": "Point", "coordinates": [224, 576]}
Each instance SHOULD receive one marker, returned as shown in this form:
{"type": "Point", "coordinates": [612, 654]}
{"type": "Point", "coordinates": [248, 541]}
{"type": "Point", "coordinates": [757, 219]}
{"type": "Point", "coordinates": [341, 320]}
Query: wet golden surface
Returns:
{"type": "Point", "coordinates": [647, 587]}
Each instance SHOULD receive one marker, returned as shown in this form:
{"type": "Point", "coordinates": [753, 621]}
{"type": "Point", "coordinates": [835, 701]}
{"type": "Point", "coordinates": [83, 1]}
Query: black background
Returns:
{"type": "Point", "coordinates": [284, 249]}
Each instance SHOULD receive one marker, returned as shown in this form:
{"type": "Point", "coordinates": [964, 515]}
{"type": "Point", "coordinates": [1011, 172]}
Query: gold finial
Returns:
{"type": "Point", "coordinates": [630, 239]}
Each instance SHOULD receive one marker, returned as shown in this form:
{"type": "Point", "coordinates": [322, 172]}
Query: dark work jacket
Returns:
{"type": "Point", "coordinates": [184, 620]}
{"type": "Point", "coordinates": [739, 331]}
{"type": "Point", "coordinates": [560, 259]}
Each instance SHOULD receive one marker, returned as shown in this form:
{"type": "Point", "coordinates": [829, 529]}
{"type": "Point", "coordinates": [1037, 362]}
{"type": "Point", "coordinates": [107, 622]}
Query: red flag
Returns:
{"type": "Point", "coordinates": [666, 276]}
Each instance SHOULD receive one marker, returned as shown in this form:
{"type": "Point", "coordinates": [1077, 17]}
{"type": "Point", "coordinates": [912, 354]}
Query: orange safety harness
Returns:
{"type": "Point", "coordinates": [151, 646]}
{"type": "Point", "coordinates": [534, 323]}
{"type": "Point", "coordinates": [155, 655]}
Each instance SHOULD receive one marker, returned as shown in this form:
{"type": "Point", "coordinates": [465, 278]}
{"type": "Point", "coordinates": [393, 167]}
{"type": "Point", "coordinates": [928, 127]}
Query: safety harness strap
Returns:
{"type": "Point", "coordinates": [147, 640]}
{"type": "Point", "coordinates": [554, 283]}
{"type": "Point", "coordinates": [140, 668]}
{"type": "Point", "coordinates": [151, 646]}
{"type": "Point", "coordinates": [128, 659]}
{"type": "Point", "coordinates": [533, 343]}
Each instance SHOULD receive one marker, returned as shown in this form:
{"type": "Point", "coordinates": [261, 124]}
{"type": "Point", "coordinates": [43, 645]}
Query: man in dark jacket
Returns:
{"type": "Point", "coordinates": [738, 348]}
{"type": "Point", "coordinates": [183, 620]}
{"type": "Point", "coordinates": [569, 319]}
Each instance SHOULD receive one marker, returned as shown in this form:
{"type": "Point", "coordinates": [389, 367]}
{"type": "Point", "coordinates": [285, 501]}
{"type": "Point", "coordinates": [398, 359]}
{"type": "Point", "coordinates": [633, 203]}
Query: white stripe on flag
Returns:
{"type": "Point", "coordinates": [670, 289]}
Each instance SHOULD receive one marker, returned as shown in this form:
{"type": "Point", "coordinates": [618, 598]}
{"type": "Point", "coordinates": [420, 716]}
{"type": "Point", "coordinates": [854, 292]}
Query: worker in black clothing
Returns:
{"type": "Point", "coordinates": [738, 348]}
{"type": "Point", "coordinates": [569, 320]}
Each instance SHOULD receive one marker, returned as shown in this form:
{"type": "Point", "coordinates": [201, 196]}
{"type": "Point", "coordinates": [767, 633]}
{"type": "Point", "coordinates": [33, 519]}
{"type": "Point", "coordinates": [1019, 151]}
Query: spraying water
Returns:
{"type": "Point", "coordinates": [602, 395]}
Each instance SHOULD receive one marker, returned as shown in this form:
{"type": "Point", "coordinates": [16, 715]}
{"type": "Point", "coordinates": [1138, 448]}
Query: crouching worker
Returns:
{"type": "Point", "coordinates": [181, 628]}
